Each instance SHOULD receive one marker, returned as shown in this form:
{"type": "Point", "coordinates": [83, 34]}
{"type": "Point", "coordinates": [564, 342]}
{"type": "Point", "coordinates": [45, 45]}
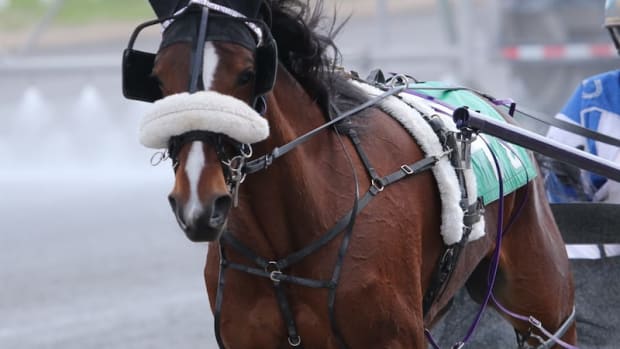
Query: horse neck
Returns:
{"type": "Point", "coordinates": [298, 197]}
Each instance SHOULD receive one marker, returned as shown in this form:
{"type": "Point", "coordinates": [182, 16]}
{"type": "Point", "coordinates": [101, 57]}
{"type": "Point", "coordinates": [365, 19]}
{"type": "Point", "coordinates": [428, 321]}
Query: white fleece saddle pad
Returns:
{"type": "Point", "coordinates": [408, 111]}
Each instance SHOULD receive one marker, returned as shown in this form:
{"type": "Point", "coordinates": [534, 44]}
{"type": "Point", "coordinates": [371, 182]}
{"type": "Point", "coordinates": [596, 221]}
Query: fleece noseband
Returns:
{"type": "Point", "coordinates": [201, 111]}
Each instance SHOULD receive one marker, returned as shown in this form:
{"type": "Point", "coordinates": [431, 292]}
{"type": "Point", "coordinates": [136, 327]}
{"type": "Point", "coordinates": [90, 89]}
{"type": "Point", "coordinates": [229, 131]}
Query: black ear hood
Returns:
{"type": "Point", "coordinates": [219, 29]}
{"type": "Point", "coordinates": [221, 26]}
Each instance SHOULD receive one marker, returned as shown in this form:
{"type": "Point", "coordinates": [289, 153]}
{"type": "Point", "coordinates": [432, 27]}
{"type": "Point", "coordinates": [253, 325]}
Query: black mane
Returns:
{"type": "Point", "coordinates": [311, 57]}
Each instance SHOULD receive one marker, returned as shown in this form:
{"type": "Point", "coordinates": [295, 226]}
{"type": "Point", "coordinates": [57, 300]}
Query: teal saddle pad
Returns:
{"type": "Point", "coordinates": [515, 164]}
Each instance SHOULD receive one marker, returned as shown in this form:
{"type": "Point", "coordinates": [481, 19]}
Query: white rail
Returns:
{"type": "Point", "coordinates": [60, 63]}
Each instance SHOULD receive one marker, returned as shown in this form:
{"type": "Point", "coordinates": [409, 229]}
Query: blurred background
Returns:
{"type": "Point", "coordinates": [90, 256]}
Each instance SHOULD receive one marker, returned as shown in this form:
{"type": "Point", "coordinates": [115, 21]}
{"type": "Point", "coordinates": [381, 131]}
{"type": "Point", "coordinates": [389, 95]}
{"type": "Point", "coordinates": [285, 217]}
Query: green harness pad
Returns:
{"type": "Point", "coordinates": [515, 164]}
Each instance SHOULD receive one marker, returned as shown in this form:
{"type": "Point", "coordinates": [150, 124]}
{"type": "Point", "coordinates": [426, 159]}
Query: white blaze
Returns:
{"type": "Point", "coordinates": [210, 60]}
{"type": "Point", "coordinates": [193, 168]}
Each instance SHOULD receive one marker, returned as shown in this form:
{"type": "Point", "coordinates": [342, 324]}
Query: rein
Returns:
{"type": "Point", "coordinates": [553, 338]}
{"type": "Point", "coordinates": [266, 160]}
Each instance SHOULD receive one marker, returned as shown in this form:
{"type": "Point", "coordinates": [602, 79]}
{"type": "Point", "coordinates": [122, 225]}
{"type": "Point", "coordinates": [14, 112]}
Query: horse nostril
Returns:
{"type": "Point", "coordinates": [221, 206]}
{"type": "Point", "coordinates": [177, 214]}
{"type": "Point", "coordinates": [173, 203]}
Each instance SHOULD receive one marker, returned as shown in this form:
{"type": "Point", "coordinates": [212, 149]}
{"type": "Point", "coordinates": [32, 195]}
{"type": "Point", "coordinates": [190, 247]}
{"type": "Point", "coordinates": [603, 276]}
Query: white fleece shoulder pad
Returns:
{"type": "Point", "coordinates": [201, 111]}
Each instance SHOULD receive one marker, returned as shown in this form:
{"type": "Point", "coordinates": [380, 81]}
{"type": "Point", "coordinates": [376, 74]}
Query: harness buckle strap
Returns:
{"type": "Point", "coordinates": [378, 184]}
{"type": "Point", "coordinates": [473, 213]}
{"type": "Point", "coordinates": [408, 170]}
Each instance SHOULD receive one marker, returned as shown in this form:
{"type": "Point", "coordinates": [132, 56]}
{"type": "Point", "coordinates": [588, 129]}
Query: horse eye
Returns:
{"type": "Point", "coordinates": [245, 77]}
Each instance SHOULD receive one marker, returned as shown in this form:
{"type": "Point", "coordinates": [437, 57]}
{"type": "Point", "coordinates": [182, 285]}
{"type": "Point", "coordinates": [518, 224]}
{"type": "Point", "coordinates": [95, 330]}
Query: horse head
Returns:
{"type": "Point", "coordinates": [216, 61]}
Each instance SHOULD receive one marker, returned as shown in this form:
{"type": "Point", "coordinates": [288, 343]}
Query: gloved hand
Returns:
{"type": "Point", "coordinates": [608, 193]}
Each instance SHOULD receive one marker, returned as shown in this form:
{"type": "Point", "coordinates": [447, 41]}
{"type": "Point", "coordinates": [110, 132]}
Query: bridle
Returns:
{"type": "Point", "coordinates": [232, 155]}
{"type": "Point", "coordinates": [138, 82]}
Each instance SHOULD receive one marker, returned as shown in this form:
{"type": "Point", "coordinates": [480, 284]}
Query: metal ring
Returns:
{"type": "Point", "coordinates": [246, 150]}
{"type": "Point", "coordinates": [294, 342]}
{"type": "Point", "coordinates": [158, 157]}
{"type": "Point", "coordinates": [378, 184]}
{"type": "Point", "coordinates": [236, 163]}
{"type": "Point", "coordinates": [272, 266]}
{"type": "Point", "coordinates": [399, 80]}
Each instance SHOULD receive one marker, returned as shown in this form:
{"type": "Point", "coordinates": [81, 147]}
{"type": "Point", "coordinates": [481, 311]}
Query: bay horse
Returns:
{"type": "Point", "coordinates": [298, 255]}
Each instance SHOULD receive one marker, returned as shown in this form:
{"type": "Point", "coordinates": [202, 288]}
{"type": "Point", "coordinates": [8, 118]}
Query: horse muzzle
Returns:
{"type": "Point", "coordinates": [208, 224]}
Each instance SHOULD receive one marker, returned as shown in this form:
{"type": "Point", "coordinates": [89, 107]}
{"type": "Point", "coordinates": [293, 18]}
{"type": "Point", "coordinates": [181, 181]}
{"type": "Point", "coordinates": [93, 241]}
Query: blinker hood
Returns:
{"type": "Point", "coordinates": [242, 22]}
{"type": "Point", "coordinates": [185, 29]}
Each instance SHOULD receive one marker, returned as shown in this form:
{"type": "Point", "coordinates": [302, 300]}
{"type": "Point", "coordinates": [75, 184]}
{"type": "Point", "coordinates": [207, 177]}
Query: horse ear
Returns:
{"type": "Point", "coordinates": [265, 13]}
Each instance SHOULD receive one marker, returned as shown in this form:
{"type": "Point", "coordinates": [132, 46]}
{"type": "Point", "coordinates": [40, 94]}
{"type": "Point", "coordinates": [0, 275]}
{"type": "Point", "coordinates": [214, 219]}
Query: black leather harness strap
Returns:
{"type": "Point", "coordinates": [198, 51]}
{"type": "Point", "coordinates": [447, 262]}
{"type": "Point", "coordinates": [294, 340]}
{"type": "Point", "coordinates": [273, 269]}
{"type": "Point", "coordinates": [358, 146]}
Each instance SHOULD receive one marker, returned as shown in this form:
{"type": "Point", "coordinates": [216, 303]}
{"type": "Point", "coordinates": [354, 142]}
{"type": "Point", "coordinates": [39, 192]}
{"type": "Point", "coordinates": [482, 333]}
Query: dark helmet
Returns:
{"type": "Point", "coordinates": [612, 21]}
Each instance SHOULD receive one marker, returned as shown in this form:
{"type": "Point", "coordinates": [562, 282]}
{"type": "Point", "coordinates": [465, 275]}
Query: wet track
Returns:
{"type": "Point", "coordinates": [98, 263]}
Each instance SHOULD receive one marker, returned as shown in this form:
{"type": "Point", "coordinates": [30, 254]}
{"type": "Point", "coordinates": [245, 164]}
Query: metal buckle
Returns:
{"type": "Point", "coordinates": [274, 276]}
{"type": "Point", "coordinates": [378, 184]}
{"type": "Point", "coordinates": [408, 170]}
